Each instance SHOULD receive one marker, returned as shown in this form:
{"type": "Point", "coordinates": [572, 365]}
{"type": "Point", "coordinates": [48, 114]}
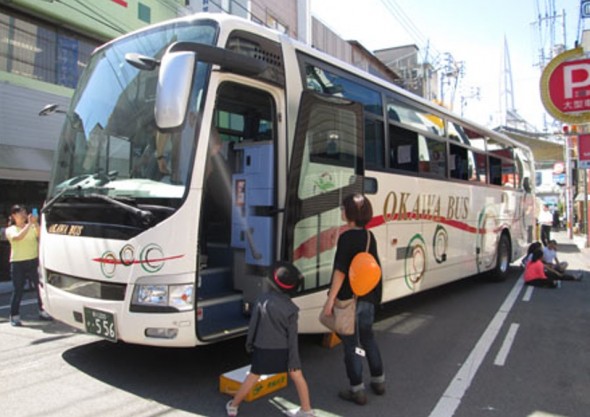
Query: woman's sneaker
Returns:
{"type": "Point", "coordinates": [357, 397]}
{"type": "Point", "coordinates": [378, 387]}
{"type": "Point", "coordinates": [230, 409]}
{"type": "Point", "coordinates": [15, 321]}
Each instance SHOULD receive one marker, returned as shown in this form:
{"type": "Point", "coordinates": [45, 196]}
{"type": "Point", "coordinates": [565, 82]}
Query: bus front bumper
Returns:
{"type": "Point", "coordinates": [113, 321]}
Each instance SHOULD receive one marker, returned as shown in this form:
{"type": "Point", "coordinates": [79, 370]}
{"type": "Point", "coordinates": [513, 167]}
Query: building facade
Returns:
{"type": "Point", "coordinates": [44, 47]}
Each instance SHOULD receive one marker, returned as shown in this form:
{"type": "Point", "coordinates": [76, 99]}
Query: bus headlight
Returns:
{"type": "Point", "coordinates": [155, 295]}
{"type": "Point", "coordinates": [179, 297]}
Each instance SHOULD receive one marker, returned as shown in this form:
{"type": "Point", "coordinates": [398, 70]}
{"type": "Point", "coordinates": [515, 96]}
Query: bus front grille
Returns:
{"type": "Point", "coordinates": [87, 288]}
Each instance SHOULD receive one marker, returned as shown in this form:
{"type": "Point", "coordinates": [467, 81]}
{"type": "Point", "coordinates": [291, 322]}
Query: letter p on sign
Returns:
{"type": "Point", "coordinates": [575, 77]}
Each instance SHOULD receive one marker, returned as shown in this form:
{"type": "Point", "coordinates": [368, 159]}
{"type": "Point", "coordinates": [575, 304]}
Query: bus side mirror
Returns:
{"type": "Point", "coordinates": [174, 87]}
{"type": "Point", "coordinates": [526, 184]}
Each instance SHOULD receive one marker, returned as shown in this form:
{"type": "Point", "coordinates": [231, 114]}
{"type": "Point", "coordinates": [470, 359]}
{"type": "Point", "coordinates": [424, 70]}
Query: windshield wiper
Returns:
{"type": "Point", "coordinates": [145, 216]}
{"type": "Point", "coordinates": [57, 197]}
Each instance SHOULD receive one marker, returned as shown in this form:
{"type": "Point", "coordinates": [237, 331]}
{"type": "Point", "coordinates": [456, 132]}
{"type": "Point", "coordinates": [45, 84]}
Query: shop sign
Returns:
{"type": "Point", "coordinates": [558, 168]}
{"type": "Point", "coordinates": [565, 87]}
{"type": "Point", "coordinates": [584, 151]}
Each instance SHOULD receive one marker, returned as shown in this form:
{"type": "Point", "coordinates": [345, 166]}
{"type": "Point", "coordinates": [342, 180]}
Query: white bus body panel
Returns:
{"type": "Point", "coordinates": [170, 261]}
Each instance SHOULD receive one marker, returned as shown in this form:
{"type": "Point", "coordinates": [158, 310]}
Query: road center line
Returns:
{"type": "Point", "coordinates": [507, 345]}
{"type": "Point", "coordinates": [451, 399]}
{"type": "Point", "coordinates": [528, 294]}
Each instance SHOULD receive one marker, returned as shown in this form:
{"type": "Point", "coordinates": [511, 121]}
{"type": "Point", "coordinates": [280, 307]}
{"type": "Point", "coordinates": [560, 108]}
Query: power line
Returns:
{"type": "Point", "coordinates": [410, 27]}
{"type": "Point", "coordinates": [96, 17]}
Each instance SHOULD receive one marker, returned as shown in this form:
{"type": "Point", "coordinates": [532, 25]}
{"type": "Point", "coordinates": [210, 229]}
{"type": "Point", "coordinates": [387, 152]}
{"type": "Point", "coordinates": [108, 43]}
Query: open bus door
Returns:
{"type": "Point", "coordinates": [326, 165]}
{"type": "Point", "coordinates": [238, 216]}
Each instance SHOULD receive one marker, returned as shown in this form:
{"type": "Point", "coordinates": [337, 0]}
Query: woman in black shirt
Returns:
{"type": "Point", "coordinates": [357, 212]}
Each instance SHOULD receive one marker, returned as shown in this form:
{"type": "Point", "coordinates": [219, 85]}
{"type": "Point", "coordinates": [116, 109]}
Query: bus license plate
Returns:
{"type": "Point", "coordinates": [100, 323]}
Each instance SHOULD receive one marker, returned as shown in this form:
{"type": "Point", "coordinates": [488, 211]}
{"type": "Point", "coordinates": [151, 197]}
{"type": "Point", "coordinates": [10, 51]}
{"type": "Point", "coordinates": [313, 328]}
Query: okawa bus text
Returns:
{"type": "Point", "coordinates": [425, 206]}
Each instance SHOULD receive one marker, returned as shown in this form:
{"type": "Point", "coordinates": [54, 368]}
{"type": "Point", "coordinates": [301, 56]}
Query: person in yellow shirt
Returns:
{"type": "Point", "coordinates": [23, 235]}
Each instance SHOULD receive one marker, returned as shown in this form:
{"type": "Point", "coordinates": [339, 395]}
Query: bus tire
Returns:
{"type": "Point", "coordinates": [500, 271]}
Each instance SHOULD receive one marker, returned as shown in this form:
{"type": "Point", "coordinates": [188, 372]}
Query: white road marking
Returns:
{"type": "Point", "coordinates": [451, 399]}
{"type": "Point", "coordinates": [528, 293]}
{"type": "Point", "coordinates": [505, 349]}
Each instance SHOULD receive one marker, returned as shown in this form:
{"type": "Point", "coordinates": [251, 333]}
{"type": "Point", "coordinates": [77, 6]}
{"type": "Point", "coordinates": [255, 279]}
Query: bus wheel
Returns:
{"type": "Point", "coordinates": [500, 272]}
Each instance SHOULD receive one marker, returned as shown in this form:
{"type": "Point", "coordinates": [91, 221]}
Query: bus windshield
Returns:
{"type": "Point", "coordinates": [110, 140]}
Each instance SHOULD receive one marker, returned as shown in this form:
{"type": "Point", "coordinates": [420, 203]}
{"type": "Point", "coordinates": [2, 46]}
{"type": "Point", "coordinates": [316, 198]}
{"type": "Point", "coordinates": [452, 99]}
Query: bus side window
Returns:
{"type": "Point", "coordinates": [374, 144]}
{"type": "Point", "coordinates": [433, 157]}
{"type": "Point", "coordinates": [480, 167]}
{"type": "Point", "coordinates": [459, 165]}
{"type": "Point", "coordinates": [495, 170]}
{"type": "Point", "coordinates": [404, 149]}
{"type": "Point", "coordinates": [508, 172]}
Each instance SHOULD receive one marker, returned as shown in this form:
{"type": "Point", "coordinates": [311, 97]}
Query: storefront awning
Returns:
{"type": "Point", "coordinates": [543, 149]}
{"type": "Point", "coordinates": [26, 164]}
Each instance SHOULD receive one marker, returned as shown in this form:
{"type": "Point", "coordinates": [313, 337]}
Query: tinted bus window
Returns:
{"type": "Point", "coordinates": [403, 149]}
{"type": "Point", "coordinates": [432, 156]}
{"type": "Point", "coordinates": [403, 112]}
{"type": "Point", "coordinates": [374, 144]}
{"type": "Point", "coordinates": [326, 82]}
{"type": "Point", "coordinates": [459, 165]}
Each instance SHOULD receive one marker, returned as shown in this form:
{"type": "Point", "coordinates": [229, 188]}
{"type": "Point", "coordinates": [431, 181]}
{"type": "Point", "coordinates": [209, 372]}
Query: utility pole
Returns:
{"type": "Point", "coordinates": [452, 71]}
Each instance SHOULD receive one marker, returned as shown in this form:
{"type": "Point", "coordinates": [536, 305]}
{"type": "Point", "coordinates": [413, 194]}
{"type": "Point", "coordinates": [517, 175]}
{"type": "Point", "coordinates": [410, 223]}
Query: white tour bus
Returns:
{"type": "Point", "coordinates": [199, 151]}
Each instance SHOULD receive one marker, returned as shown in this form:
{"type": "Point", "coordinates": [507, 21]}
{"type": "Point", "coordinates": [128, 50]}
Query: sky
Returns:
{"type": "Point", "coordinates": [473, 31]}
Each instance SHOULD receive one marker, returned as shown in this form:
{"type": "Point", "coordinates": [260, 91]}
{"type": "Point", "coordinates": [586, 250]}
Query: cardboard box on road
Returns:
{"type": "Point", "coordinates": [230, 382]}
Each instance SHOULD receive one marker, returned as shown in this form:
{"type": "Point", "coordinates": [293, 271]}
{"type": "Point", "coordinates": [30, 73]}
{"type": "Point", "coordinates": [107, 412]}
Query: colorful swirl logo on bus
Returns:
{"type": "Point", "coordinates": [151, 259]}
{"type": "Point", "coordinates": [440, 244]}
{"type": "Point", "coordinates": [415, 261]}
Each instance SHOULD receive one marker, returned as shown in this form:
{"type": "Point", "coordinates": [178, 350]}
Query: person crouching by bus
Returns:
{"type": "Point", "coordinates": [357, 212]}
{"type": "Point", "coordinates": [553, 268]}
{"type": "Point", "coordinates": [534, 273]}
{"type": "Point", "coordinates": [23, 235]}
{"type": "Point", "coordinates": [529, 253]}
{"type": "Point", "coordinates": [272, 339]}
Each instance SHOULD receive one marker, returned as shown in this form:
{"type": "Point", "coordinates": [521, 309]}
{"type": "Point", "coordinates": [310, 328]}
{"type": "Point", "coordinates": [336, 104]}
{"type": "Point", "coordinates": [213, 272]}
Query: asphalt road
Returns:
{"type": "Point", "coordinates": [472, 348]}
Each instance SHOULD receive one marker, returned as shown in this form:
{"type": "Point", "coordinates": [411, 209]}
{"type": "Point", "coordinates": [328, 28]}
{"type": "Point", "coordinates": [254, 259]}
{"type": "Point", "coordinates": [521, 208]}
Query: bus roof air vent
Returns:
{"type": "Point", "coordinates": [262, 49]}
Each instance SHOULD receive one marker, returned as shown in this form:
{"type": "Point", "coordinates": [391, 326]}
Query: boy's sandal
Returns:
{"type": "Point", "coordinates": [230, 409]}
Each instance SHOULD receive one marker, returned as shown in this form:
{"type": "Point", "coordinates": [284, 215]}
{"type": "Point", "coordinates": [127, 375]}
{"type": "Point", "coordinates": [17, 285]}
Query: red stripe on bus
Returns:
{"type": "Point", "coordinates": [328, 238]}
{"type": "Point", "coordinates": [135, 261]}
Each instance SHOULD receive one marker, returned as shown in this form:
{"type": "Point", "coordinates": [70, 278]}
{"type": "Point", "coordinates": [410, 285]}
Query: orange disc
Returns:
{"type": "Point", "coordinates": [364, 273]}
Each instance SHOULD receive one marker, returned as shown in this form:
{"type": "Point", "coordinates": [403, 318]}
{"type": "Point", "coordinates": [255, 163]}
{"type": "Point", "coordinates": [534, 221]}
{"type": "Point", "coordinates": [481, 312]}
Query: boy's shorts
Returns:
{"type": "Point", "coordinates": [269, 361]}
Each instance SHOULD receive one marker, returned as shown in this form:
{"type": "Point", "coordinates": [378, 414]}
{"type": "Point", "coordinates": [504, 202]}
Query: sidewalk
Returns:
{"type": "Point", "coordinates": [572, 251]}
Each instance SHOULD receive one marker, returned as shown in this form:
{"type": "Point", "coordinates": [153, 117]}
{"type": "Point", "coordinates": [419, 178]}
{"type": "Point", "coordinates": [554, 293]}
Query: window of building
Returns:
{"type": "Point", "coordinates": [273, 23]}
{"type": "Point", "coordinates": [144, 13]}
{"type": "Point", "coordinates": [36, 50]}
